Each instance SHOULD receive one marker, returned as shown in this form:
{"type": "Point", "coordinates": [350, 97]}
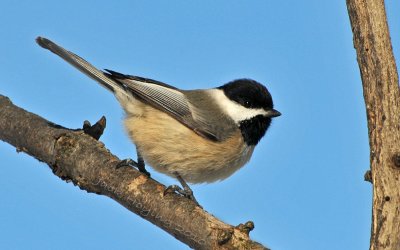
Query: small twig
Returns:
{"type": "Point", "coordinates": [97, 129]}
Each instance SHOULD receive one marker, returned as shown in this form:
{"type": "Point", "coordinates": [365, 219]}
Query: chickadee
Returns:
{"type": "Point", "coordinates": [195, 136]}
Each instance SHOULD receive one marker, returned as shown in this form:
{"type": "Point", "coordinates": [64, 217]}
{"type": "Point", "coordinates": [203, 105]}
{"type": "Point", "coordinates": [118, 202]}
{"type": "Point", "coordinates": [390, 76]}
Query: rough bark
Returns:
{"type": "Point", "coordinates": [77, 157]}
{"type": "Point", "coordinates": [382, 99]}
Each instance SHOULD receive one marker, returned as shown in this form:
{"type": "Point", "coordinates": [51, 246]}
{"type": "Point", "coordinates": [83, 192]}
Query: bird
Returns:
{"type": "Point", "coordinates": [195, 136]}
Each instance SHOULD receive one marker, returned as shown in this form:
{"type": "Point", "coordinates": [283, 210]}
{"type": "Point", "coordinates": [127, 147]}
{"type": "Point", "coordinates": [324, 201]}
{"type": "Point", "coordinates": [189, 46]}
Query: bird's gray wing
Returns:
{"type": "Point", "coordinates": [160, 95]}
{"type": "Point", "coordinates": [168, 99]}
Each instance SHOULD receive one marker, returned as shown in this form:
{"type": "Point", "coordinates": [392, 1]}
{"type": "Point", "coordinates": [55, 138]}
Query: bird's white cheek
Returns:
{"type": "Point", "coordinates": [234, 110]}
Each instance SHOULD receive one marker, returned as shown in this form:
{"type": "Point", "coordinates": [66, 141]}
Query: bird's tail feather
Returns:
{"type": "Point", "coordinates": [80, 64]}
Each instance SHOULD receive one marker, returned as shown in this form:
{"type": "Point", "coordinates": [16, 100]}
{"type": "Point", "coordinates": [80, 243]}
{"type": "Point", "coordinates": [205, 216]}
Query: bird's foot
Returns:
{"type": "Point", "coordinates": [185, 192]}
{"type": "Point", "coordinates": [131, 163]}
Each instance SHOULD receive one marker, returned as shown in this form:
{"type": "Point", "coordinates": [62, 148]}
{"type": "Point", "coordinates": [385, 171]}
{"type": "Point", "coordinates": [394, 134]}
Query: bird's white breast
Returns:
{"type": "Point", "coordinates": [169, 147]}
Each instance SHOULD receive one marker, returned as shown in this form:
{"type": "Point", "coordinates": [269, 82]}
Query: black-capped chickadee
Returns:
{"type": "Point", "coordinates": [193, 135]}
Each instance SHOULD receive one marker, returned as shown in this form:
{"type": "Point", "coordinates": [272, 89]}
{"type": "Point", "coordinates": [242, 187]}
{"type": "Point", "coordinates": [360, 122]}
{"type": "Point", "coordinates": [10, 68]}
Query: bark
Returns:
{"type": "Point", "coordinates": [77, 157]}
{"type": "Point", "coordinates": [382, 99]}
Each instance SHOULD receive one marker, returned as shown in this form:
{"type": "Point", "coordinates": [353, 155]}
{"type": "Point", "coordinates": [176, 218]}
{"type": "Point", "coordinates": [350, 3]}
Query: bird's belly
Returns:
{"type": "Point", "coordinates": [170, 147]}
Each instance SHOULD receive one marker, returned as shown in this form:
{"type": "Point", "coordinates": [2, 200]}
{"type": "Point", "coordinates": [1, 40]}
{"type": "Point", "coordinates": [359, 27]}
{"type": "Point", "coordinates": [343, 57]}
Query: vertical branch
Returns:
{"type": "Point", "coordinates": [382, 99]}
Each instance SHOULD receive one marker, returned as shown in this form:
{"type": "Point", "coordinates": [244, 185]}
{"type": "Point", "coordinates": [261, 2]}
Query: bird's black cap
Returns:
{"type": "Point", "coordinates": [249, 93]}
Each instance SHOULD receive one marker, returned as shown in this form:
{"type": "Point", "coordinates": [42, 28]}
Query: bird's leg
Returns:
{"type": "Point", "coordinates": [139, 164]}
{"type": "Point", "coordinates": [186, 191]}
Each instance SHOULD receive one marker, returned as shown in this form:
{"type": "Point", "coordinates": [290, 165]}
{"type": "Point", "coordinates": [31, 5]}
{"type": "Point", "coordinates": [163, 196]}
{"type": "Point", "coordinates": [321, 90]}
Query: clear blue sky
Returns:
{"type": "Point", "coordinates": [304, 186]}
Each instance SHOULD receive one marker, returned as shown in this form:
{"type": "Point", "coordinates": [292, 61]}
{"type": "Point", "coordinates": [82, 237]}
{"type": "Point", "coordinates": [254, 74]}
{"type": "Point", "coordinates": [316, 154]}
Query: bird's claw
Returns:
{"type": "Point", "coordinates": [185, 192]}
{"type": "Point", "coordinates": [131, 163]}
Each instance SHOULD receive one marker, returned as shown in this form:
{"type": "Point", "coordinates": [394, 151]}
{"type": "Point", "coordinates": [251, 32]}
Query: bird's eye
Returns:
{"type": "Point", "coordinates": [247, 104]}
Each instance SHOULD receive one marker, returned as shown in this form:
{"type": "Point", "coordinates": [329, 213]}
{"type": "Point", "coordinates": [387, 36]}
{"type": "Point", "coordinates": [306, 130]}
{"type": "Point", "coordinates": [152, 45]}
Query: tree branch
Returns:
{"type": "Point", "coordinates": [382, 99]}
{"type": "Point", "coordinates": [77, 157]}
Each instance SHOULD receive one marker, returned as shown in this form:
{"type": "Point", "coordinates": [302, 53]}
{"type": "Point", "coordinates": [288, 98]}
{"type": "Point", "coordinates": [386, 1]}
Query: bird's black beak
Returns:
{"type": "Point", "coordinates": [272, 113]}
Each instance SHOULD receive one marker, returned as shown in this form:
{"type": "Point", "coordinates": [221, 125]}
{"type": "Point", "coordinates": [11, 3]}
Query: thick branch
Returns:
{"type": "Point", "coordinates": [75, 156]}
{"type": "Point", "coordinates": [382, 99]}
